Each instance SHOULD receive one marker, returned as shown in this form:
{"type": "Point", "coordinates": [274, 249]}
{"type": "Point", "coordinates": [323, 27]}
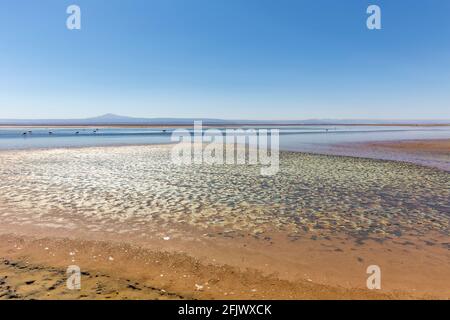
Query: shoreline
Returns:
{"type": "Point", "coordinates": [433, 146]}
{"type": "Point", "coordinates": [430, 153]}
{"type": "Point", "coordinates": [125, 126]}
{"type": "Point", "coordinates": [436, 151]}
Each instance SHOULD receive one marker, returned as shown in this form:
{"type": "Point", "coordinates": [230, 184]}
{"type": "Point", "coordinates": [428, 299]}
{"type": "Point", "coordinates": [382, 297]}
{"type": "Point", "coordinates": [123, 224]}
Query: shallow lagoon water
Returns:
{"type": "Point", "coordinates": [340, 212]}
{"type": "Point", "coordinates": [135, 184]}
{"type": "Point", "coordinates": [294, 138]}
{"type": "Point", "coordinates": [138, 190]}
{"type": "Point", "coordinates": [331, 140]}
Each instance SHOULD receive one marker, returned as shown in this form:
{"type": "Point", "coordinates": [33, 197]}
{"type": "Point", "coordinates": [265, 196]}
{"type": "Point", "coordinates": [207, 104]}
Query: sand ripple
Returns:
{"type": "Point", "coordinates": [138, 190]}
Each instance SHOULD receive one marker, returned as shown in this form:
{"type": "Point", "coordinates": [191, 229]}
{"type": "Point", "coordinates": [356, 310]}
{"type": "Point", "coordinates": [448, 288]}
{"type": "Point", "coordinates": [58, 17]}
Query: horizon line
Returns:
{"type": "Point", "coordinates": [122, 117]}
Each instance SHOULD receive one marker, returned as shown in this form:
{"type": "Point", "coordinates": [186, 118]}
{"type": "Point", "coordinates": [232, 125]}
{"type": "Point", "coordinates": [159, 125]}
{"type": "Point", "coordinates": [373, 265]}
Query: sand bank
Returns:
{"type": "Point", "coordinates": [432, 153]}
{"type": "Point", "coordinates": [431, 147]}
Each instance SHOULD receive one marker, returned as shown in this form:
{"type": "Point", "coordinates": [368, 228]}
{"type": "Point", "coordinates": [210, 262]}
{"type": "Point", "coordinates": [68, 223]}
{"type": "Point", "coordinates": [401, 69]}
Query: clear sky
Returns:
{"type": "Point", "coordinates": [247, 59]}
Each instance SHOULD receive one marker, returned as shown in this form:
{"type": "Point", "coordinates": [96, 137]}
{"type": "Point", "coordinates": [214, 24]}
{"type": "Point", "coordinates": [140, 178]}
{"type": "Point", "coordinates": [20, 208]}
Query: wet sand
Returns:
{"type": "Point", "coordinates": [433, 153]}
{"type": "Point", "coordinates": [220, 232]}
{"type": "Point", "coordinates": [36, 269]}
{"type": "Point", "coordinates": [433, 148]}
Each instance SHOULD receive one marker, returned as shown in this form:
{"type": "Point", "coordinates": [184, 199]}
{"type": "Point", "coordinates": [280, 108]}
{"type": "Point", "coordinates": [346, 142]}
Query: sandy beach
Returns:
{"type": "Point", "coordinates": [140, 227]}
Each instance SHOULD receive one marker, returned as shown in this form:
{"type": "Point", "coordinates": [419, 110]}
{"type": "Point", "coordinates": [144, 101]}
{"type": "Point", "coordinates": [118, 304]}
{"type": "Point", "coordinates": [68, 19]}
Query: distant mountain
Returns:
{"type": "Point", "coordinates": [110, 117]}
{"type": "Point", "coordinates": [113, 119]}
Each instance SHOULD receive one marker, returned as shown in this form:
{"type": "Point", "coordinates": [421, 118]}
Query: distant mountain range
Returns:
{"type": "Point", "coordinates": [113, 119]}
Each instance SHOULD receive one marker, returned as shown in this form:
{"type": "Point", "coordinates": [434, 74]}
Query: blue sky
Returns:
{"type": "Point", "coordinates": [247, 59]}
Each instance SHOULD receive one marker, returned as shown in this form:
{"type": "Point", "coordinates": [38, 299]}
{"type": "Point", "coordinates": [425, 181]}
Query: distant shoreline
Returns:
{"type": "Point", "coordinates": [216, 125]}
